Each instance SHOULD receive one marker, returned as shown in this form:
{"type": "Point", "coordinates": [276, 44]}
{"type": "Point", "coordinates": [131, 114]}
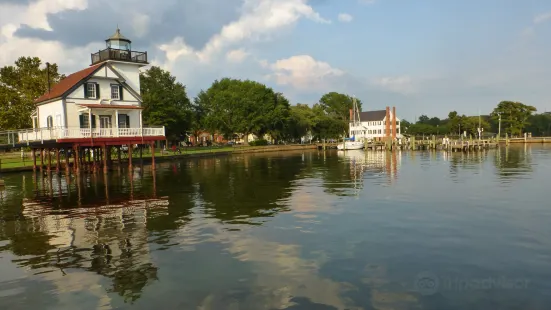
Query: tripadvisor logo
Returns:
{"type": "Point", "coordinates": [428, 283]}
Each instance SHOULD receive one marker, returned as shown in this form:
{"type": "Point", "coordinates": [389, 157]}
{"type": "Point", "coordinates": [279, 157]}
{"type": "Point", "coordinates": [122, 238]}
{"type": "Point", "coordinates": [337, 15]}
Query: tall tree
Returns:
{"type": "Point", "coordinates": [302, 120]}
{"type": "Point", "coordinates": [278, 117]}
{"type": "Point", "coordinates": [20, 85]}
{"type": "Point", "coordinates": [165, 102]}
{"type": "Point", "coordinates": [423, 119]}
{"type": "Point", "coordinates": [514, 116]}
{"type": "Point", "coordinates": [337, 106]}
{"type": "Point", "coordinates": [540, 125]}
{"type": "Point", "coordinates": [234, 106]}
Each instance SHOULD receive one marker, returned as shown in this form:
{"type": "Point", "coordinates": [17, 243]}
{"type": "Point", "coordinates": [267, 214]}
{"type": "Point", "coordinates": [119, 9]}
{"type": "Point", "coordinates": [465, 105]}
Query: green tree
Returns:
{"type": "Point", "coordinates": [197, 123]}
{"type": "Point", "coordinates": [234, 106]}
{"type": "Point", "coordinates": [327, 126]}
{"type": "Point", "coordinates": [165, 102]}
{"type": "Point", "coordinates": [278, 118]}
{"type": "Point", "coordinates": [302, 120]}
{"type": "Point", "coordinates": [423, 119]}
{"type": "Point", "coordinates": [514, 116]}
{"type": "Point", "coordinates": [20, 85]}
{"type": "Point", "coordinates": [337, 106]}
{"type": "Point", "coordinates": [540, 125]}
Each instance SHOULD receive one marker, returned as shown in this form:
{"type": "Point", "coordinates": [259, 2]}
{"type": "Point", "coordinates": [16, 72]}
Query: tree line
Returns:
{"type": "Point", "coordinates": [516, 119]}
{"type": "Point", "coordinates": [236, 108]}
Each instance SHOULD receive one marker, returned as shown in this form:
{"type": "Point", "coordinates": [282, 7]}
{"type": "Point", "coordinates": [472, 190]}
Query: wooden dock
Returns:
{"type": "Point", "coordinates": [456, 145]}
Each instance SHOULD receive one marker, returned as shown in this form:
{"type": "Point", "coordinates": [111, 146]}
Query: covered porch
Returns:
{"type": "Point", "coordinates": [97, 121]}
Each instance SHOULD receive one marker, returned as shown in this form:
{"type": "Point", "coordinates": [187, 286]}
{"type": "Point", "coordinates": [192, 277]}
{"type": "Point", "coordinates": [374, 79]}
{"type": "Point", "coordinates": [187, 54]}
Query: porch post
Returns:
{"type": "Point", "coordinates": [90, 121]}
{"type": "Point", "coordinates": [117, 122]}
{"type": "Point", "coordinates": [141, 129]}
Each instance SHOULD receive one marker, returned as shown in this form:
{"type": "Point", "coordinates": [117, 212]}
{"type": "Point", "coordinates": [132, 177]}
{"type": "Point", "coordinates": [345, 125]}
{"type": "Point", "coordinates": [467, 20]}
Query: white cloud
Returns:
{"type": "Point", "coordinates": [345, 18]}
{"type": "Point", "coordinates": [303, 72]}
{"type": "Point", "coordinates": [237, 56]}
{"type": "Point", "coordinates": [260, 18]}
{"type": "Point", "coordinates": [36, 14]}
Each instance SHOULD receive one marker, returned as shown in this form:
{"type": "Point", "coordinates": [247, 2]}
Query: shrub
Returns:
{"type": "Point", "coordinates": [260, 142]}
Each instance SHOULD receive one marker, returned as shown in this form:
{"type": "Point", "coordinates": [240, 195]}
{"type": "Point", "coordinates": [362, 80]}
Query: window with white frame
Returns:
{"type": "Point", "coordinates": [91, 90]}
{"type": "Point", "coordinates": [115, 92]}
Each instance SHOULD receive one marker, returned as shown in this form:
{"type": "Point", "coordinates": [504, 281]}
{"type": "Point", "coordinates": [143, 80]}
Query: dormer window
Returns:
{"type": "Point", "coordinates": [91, 90]}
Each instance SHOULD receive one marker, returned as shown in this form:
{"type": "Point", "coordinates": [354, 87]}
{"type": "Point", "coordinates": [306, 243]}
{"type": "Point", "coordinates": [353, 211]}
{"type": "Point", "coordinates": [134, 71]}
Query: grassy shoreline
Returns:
{"type": "Point", "coordinates": [13, 162]}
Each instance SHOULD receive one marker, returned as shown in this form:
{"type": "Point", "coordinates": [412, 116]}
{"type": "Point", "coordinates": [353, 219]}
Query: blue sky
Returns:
{"type": "Point", "coordinates": [424, 57]}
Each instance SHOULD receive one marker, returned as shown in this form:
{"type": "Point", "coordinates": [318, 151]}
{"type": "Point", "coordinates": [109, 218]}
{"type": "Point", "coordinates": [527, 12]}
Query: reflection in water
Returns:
{"type": "Point", "coordinates": [304, 230]}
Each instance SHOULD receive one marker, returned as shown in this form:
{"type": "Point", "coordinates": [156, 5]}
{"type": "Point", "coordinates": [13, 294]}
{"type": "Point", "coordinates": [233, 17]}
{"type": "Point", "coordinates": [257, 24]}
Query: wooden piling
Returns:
{"type": "Point", "coordinates": [130, 149]}
{"type": "Point", "coordinates": [67, 160]}
{"type": "Point", "coordinates": [104, 154]}
{"type": "Point", "coordinates": [58, 161]}
{"type": "Point", "coordinates": [34, 159]}
{"type": "Point", "coordinates": [77, 158]}
{"type": "Point", "coordinates": [153, 155]}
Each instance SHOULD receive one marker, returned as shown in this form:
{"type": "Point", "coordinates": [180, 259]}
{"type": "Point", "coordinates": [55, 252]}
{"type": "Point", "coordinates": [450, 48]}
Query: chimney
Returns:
{"type": "Point", "coordinates": [350, 110]}
{"type": "Point", "coordinates": [387, 122]}
{"type": "Point", "coordinates": [393, 123]}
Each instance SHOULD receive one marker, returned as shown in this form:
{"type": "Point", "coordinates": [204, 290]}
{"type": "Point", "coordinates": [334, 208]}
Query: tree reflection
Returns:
{"type": "Point", "coordinates": [513, 161]}
{"type": "Point", "coordinates": [239, 188]}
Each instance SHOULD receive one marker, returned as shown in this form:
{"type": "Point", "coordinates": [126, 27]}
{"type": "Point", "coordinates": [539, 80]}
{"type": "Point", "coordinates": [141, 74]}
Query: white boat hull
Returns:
{"type": "Point", "coordinates": [350, 145]}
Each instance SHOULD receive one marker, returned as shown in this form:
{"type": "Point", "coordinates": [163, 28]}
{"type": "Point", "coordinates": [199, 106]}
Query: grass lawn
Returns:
{"type": "Point", "coordinates": [14, 160]}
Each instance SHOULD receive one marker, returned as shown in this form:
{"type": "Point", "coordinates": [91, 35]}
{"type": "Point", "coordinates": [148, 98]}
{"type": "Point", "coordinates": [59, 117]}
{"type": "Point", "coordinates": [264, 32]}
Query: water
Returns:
{"type": "Point", "coordinates": [285, 231]}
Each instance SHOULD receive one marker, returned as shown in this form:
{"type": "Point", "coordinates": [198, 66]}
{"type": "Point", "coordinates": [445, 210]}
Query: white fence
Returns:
{"type": "Point", "coordinates": [44, 134]}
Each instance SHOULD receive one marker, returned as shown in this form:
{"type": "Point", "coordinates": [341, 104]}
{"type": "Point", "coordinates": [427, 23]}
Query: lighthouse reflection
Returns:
{"type": "Point", "coordinates": [83, 224]}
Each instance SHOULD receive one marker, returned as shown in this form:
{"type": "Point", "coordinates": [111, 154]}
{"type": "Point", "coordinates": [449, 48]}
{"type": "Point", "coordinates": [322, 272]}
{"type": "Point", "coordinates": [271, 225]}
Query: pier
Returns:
{"type": "Point", "coordinates": [413, 144]}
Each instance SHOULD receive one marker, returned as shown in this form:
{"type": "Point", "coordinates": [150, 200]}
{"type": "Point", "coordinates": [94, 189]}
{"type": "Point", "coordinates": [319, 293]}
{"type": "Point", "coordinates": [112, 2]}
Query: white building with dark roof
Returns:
{"type": "Point", "coordinates": [373, 125]}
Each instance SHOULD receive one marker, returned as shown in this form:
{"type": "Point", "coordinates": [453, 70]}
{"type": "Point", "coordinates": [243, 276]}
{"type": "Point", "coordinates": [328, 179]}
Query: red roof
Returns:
{"type": "Point", "coordinates": [110, 106]}
{"type": "Point", "coordinates": [67, 83]}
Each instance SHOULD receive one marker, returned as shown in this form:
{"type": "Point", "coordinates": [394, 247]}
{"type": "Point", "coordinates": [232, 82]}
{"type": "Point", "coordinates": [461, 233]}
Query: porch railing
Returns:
{"type": "Point", "coordinates": [45, 134]}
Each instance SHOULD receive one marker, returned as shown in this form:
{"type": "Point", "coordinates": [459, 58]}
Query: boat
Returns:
{"type": "Point", "coordinates": [351, 143]}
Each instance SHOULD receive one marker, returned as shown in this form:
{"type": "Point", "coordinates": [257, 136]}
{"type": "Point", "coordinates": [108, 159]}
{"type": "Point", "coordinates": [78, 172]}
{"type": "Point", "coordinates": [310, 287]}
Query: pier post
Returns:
{"type": "Point", "coordinates": [104, 151]}
{"type": "Point", "coordinates": [130, 149]}
{"type": "Point", "coordinates": [49, 160]}
{"type": "Point", "coordinates": [41, 160]}
{"type": "Point", "coordinates": [141, 154]}
{"type": "Point", "coordinates": [76, 150]}
{"type": "Point", "coordinates": [67, 159]}
{"type": "Point", "coordinates": [153, 155]}
{"type": "Point", "coordinates": [34, 159]}
{"type": "Point", "coordinates": [119, 155]}
{"type": "Point", "coordinates": [58, 161]}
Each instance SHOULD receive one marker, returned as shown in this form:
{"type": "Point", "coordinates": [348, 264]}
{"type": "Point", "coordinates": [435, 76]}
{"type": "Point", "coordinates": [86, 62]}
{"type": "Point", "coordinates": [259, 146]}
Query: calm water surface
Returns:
{"type": "Point", "coordinates": [308, 230]}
